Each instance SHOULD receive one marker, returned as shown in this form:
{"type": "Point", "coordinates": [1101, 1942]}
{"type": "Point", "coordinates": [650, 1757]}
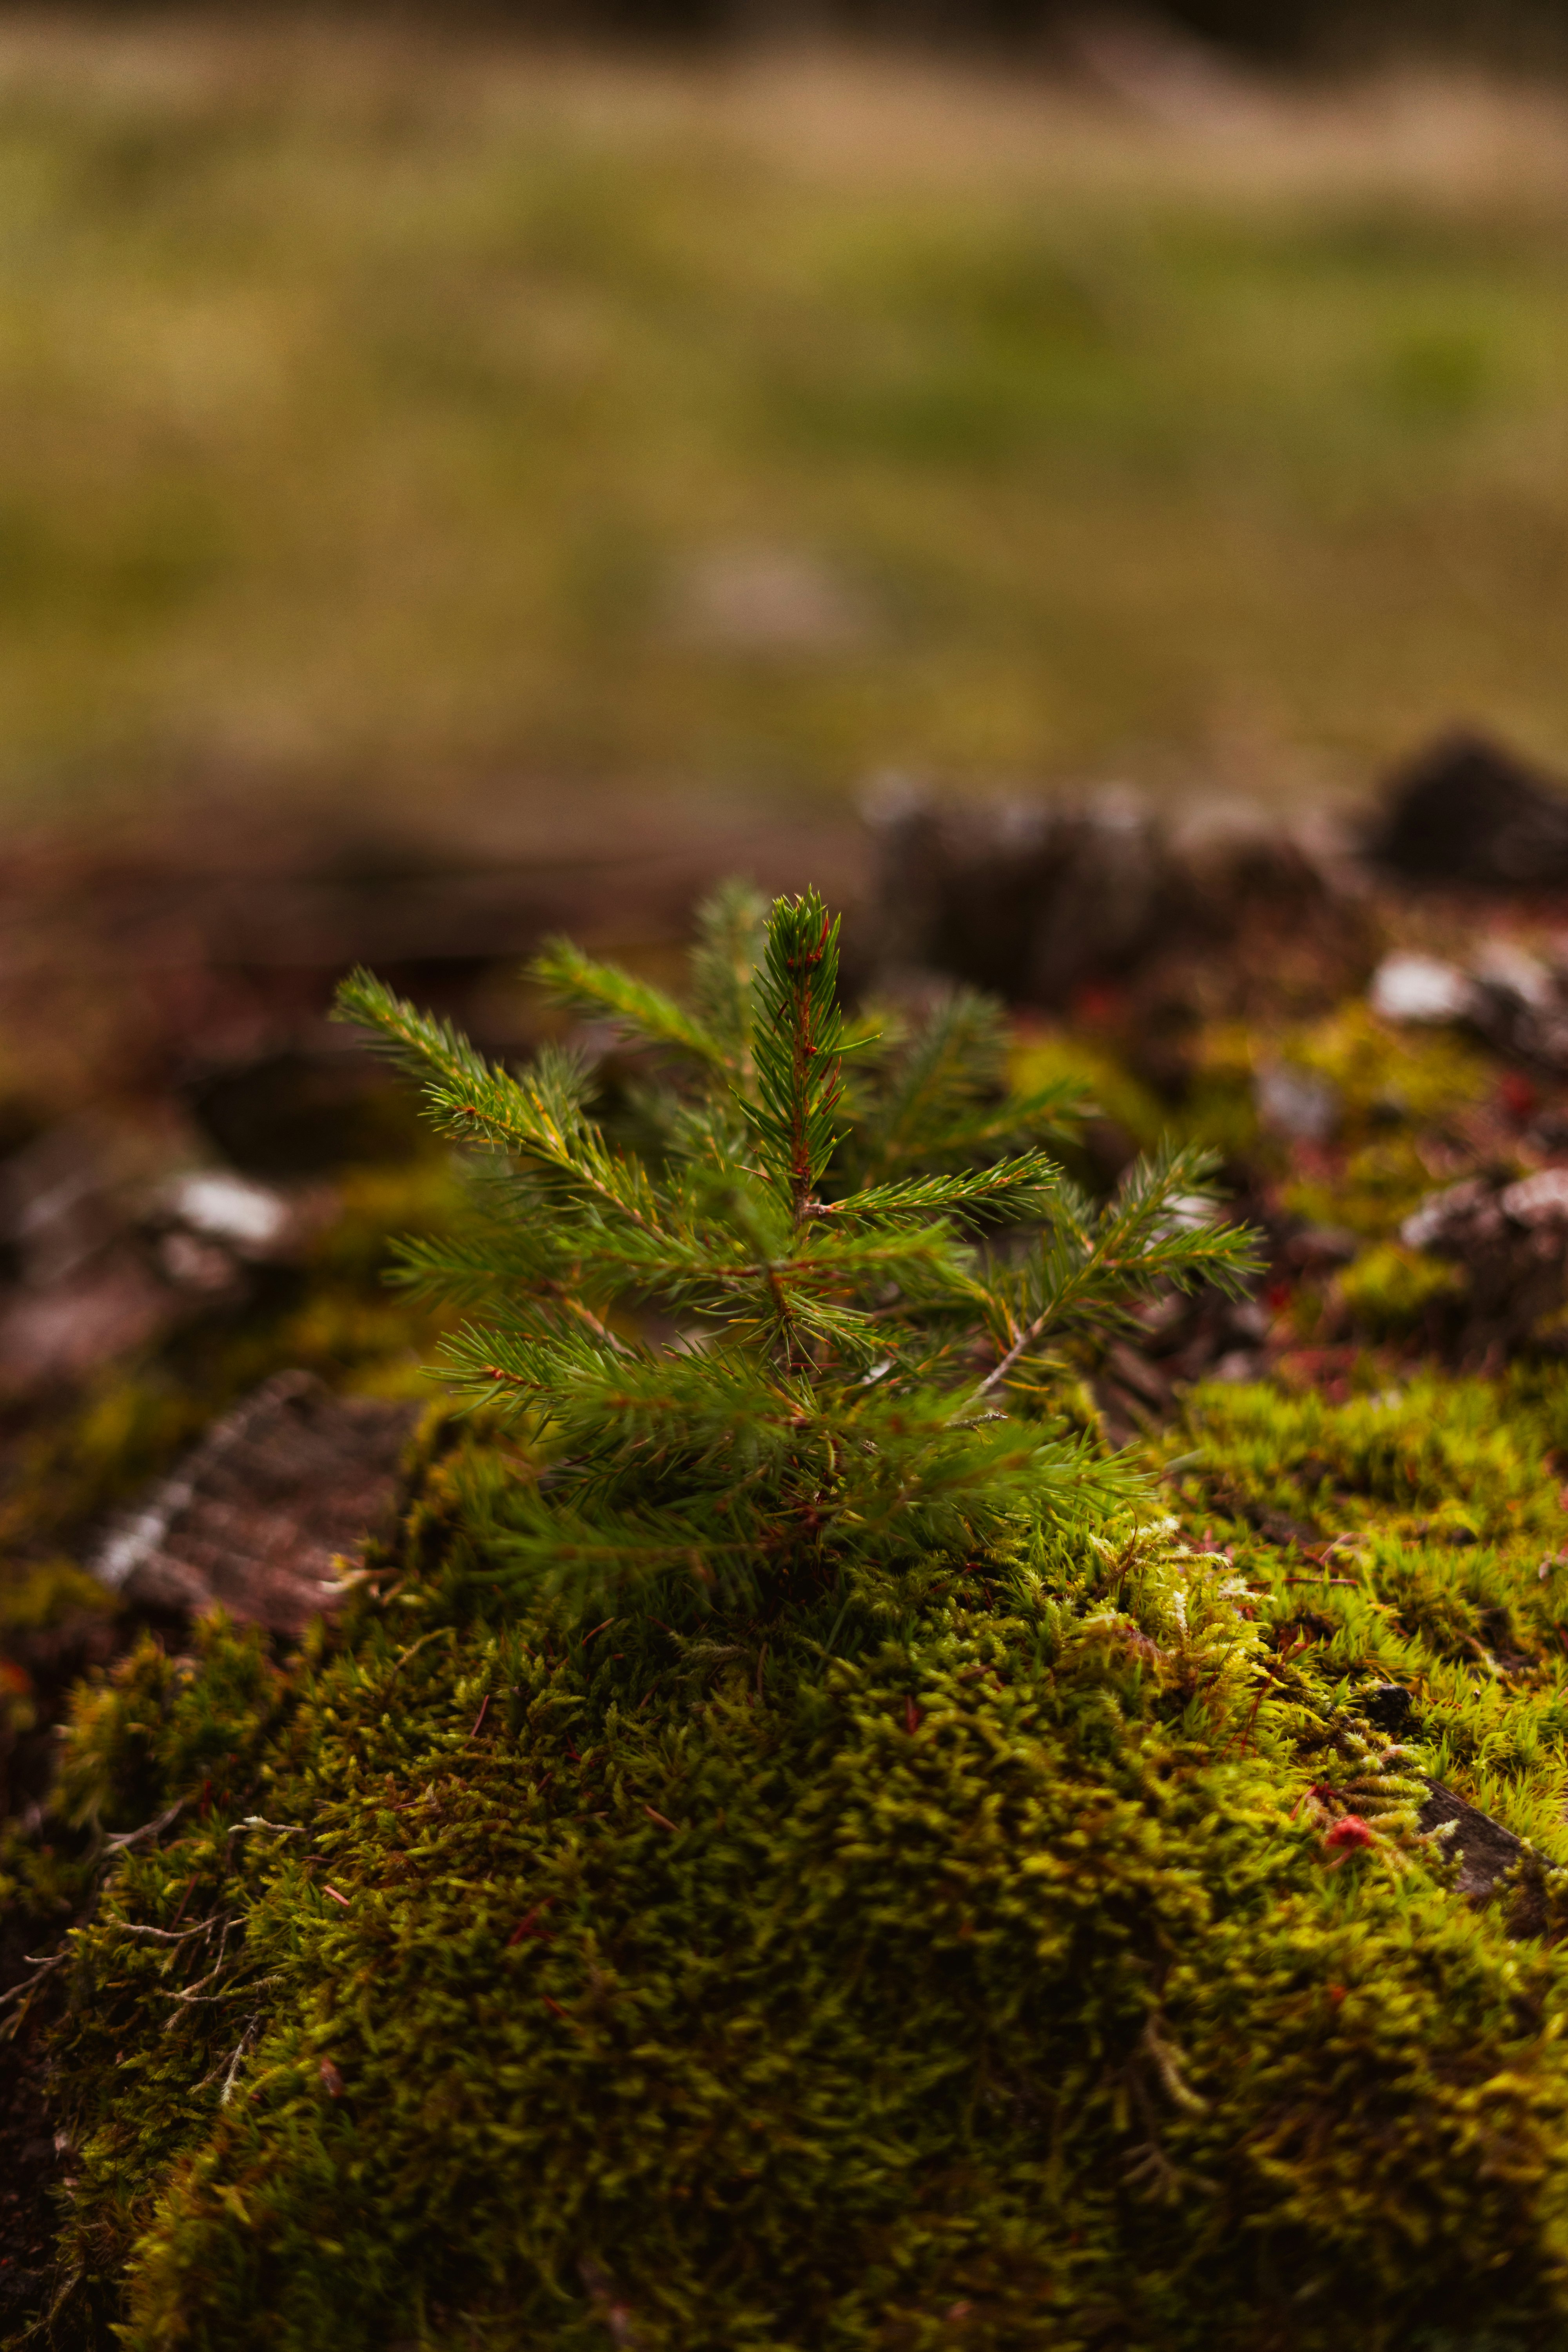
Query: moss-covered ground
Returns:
{"type": "Point", "coordinates": [1057, 1963]}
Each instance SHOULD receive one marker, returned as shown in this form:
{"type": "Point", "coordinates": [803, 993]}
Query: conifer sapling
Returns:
{"type": "Point", "coordinates": [803, 1310]}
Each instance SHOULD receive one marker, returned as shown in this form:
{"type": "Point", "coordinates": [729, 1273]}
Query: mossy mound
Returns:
{"type": "Point", "coordinates": [1036, 1949]}
{"type": "Point", "coordinates": [984, 1982]}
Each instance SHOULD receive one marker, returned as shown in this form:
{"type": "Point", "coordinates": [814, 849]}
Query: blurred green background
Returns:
{"type": "Point", "coordinates": [382, 413]}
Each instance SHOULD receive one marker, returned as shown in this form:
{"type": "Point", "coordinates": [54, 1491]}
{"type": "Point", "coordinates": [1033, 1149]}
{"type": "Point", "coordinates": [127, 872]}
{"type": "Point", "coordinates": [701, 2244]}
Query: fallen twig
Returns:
{"type": "Point", "coordinates": [246, 2040]}
{"type": "Point", "coordinates": [148, 1829]}
{"type": "Point", "coordinates": [191, 1992]}
{"type": "Point", "coordinates": [413, 1651]}
{"type": "Point", "coordinates": [210, 2000]}
{"type": "Point", "coordinates": [167, 1934]}
{"type": "Point", "coordinates": [41, 1968]}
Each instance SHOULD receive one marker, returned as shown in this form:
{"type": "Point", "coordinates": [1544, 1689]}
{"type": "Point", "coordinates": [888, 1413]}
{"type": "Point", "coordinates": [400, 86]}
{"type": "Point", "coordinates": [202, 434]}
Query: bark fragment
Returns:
{"type": "Point", "coordinates": [259, 1518]}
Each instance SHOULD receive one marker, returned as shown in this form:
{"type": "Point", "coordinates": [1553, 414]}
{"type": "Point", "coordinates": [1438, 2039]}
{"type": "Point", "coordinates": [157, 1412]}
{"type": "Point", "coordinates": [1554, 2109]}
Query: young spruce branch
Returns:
{"type": "Point", "coordinates": [815, 1327]}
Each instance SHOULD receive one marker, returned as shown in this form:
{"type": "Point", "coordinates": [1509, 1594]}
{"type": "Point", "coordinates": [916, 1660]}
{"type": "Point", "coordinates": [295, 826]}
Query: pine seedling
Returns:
{"type": "Point", "coordinates": [812, 1321]}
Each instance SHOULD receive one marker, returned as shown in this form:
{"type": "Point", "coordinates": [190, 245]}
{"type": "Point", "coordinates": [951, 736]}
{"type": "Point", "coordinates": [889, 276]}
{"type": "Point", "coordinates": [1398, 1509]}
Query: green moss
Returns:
{"type": "Point", "coordinates": [994, 1961]}
{"type": "Point", "coordinates": [95, 1452]}
{"type": "Point", "coordinates": [986, 1982]}
{"type": "Point", "coordinates": [1043, 1058]}
{"type": "Point", "coordinates": [162, 1730]}
{"type": "Point", "coordinates": [40, 1595]}
{"type": "Point", "coordinates": [1389, 1290]}
{"type": "Point", "coordinates": [1401, 1102]}
{"type": "Point", "coordinates": [1433, 1447]}
{"type": "Point", "coordinates": [1385, 1074]}
{"type": "Point", "coordinates": [1428, 1529]}
{"type": "Point", "coordinates": [1400, 1093]}
{"type": "Point", "coordinates": [1219, 1105]}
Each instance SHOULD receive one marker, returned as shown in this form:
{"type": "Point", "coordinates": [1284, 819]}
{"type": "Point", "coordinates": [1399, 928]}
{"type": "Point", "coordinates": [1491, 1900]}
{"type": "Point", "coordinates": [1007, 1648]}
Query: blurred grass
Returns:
{"type": "Point", "coordinates": [373, 409]}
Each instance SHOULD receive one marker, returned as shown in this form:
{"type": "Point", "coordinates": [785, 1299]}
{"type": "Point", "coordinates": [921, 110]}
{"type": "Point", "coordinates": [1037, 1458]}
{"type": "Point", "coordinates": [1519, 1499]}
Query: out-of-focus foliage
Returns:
{"type": "Point", "coordinates": [367, 401]}
{"type": "Point", "coordinates": [1278, 30]}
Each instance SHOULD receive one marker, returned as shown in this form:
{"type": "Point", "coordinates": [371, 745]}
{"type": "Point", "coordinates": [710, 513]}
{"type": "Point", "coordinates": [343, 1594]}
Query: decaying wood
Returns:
{"type": "Point", "coordinates": [1487, 1851]}
{"type": "Point", "coordinates": [259, 1519]}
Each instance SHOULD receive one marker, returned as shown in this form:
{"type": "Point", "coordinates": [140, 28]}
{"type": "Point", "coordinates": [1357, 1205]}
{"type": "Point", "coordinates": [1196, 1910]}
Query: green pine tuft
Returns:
{"type": "Point", "coordinates": [805, 1331]}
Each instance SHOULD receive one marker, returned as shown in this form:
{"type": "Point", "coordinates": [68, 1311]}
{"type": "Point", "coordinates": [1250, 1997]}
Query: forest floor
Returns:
{"type": "Point", "coordinates": [1375, 1442]}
